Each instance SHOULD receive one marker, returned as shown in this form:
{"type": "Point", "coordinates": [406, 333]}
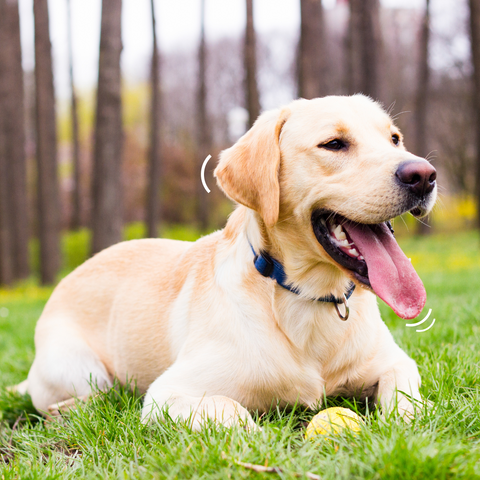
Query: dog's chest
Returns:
{"type": "Point", "coordinates": [276, 370]}
{"type": "Point", "coordinates": [334, 355]}
{"type": "Point", "coordinates": [277, 376]}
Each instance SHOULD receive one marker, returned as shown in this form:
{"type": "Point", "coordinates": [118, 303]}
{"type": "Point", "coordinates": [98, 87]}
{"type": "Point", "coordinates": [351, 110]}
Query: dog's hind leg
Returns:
{"type": "Point", "coordinates": [65, 367]}
{"type": "Point", "coordinates": [58, 409]}
{"type": "Point", "coordinates": [21, 388]}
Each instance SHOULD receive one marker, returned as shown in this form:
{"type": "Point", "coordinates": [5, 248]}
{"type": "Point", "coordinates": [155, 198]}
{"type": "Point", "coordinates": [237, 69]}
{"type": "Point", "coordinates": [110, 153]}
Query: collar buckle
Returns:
{"type": "Point", "coordinates": [264, 264]}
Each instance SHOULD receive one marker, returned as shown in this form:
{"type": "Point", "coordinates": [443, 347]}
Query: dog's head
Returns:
{"type": "Point", "coordinates": [337, 169]}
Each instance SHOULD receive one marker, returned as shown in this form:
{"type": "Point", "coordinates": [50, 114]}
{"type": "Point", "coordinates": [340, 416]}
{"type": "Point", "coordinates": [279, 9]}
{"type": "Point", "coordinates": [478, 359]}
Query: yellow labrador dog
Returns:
{"type": "Point", "coordinates": [265, 310]}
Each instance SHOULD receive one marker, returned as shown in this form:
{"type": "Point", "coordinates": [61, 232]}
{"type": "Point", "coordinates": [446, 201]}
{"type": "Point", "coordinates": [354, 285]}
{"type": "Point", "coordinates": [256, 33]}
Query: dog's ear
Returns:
{"type": "Point", "coordinates": [248, 171]}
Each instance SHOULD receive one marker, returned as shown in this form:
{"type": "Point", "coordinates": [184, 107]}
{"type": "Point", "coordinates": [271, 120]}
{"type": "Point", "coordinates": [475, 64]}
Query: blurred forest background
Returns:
{"type": "Point", "coordinates": [129, 153]}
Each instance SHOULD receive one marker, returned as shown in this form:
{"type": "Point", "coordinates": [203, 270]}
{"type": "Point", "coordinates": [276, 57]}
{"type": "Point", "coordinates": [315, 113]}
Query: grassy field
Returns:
{"type": "Point", "coordinates": [105, 439]}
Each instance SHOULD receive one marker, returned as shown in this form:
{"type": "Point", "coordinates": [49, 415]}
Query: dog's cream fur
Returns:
{"type": "Point", "coordinates": [199, 329]}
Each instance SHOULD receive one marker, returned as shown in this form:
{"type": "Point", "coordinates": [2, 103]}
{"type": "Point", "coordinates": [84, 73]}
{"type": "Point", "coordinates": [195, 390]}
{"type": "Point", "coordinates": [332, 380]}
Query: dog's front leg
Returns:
{"type": "Point", "coordinates": [171, 395]}
{"type": "Point", "coordinates": [398, 388]}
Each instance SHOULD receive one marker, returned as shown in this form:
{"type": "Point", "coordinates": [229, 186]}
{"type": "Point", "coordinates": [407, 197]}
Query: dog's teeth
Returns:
{"type": "Point", "coordinates": [344, 243]}
{"type": "Point", "coordinates": [361, 257]}
{"type": "Point", "coordinates": [339, 233]}
{"type": "Point", "coordinates": [353, 251]}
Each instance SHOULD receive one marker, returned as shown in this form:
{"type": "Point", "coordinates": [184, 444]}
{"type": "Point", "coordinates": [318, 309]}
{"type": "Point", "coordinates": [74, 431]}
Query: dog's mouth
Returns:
{"type": "Point", "coordinates": [373, 257]}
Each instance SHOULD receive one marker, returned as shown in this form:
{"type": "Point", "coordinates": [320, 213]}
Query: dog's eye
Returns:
{"type": "Point", "coordinates": [395, 139]}
{"type": "Point", "coordinates": [334, 145]}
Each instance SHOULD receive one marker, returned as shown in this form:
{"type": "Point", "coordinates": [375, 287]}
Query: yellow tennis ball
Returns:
{"type": "Point", "coordinates": [333, 421]}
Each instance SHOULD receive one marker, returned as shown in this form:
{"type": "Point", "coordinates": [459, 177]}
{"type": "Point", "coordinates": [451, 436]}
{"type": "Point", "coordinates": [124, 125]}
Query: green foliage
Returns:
{"type": "Point", "coordinates": [75, 245]}
{"type": "Point", "coordinates": [16, 409]}
{"type": "Point", "coordinates": [188, 233]}
{"type": "Point", "coordinates": [75, 248]}
{"type": "Point", "coordinates": [450, 214]}
{"type": "Point", "coordinates": [104, 437]}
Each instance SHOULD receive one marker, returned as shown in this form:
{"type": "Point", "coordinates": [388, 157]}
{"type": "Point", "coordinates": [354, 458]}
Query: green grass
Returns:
{"type": "Point", "coordinates": [105, 439]}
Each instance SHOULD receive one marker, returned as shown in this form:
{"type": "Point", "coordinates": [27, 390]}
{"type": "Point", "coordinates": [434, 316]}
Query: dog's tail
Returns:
{"type": "Point", "coordinates": [21, 388]}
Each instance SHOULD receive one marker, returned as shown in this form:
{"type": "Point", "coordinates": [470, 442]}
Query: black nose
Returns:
{"type": "Point", "coordinates": [418, 176]}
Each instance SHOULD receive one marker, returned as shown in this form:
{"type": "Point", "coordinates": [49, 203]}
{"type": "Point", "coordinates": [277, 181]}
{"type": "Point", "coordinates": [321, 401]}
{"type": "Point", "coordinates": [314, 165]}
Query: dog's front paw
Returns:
{"type": "Point", "coordinates": [405, 407]}
{"type": "Point", "coordinates": [398, 391]}
{"type": "Point", "coordinates": [197, 412]}
{"type": "Point", "coordinates": [397, 403]}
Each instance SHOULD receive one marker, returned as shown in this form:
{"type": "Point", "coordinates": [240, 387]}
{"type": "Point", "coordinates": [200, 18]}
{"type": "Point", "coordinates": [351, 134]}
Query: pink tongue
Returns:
{"type": "Point", "coordinates": [391, 274]}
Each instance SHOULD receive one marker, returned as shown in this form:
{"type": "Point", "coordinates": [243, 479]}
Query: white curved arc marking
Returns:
{"type": "Point", "coordinates": [420, 322]}
{"type": "Point", "coordinates": [202, 173]}
{"type": "Point", "coordinates": [425, 329]}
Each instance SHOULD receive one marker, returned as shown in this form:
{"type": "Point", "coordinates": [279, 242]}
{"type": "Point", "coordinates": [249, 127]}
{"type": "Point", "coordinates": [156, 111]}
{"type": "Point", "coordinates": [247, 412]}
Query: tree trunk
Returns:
{"type": "Point", "coordinates": [6, 255]}
{"type": "Point", "coordinates": [364, 48]}
{"type": "Point", "coordinates": [475, 46]}
{"type": "Point", "coordinates": [311, 51]}
{"type": "Point", "coordinates": [421, 107]}
{"type": "Point", "coordinates": [202, 123]}
{"type": "Point", "coordinates": [13, 169]}
{"type": "Point", "coordinates": [250, 62]}
{"type": "Point", "coordinates": [47, 175]}
{"type": "Point", "coordinates": [15, 134]}
{"type": "Point", "coordinates": [76, 219]}
{"type": "Point", "coordinates": [154, 186]}
{"type": "Point", "coordinates": [107, 179]}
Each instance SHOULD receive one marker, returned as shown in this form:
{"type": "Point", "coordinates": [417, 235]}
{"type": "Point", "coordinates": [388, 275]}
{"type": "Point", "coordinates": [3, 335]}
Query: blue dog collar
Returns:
{"type": "Point", "coordinates": [267, 266]}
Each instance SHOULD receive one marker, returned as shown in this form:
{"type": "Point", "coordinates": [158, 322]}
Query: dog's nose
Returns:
{"type": "Point", "coordinates": [418, 176]}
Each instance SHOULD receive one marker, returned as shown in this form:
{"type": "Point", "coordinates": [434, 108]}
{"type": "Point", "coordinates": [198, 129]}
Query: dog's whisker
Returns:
{"type": "Point", "coordinates": [395, 117]}
{"type": "Point", "coordinates": [422, 222]}
{"type": "Point", "coordinates": [391, 107]}
{"type": "Point", "coordinates": [286, 219]}
{"type": "Point", "coordinates": [431, 156]}
{"type": "Point", "coordinates": [405, 223]}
